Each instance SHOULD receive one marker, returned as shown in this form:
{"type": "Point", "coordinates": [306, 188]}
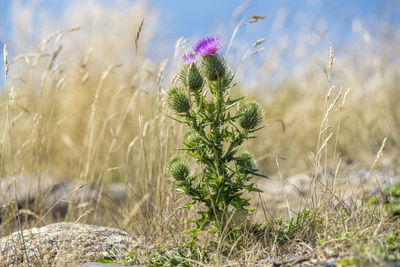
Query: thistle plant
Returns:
{"type": "Point", "coordinates": [218, 127]}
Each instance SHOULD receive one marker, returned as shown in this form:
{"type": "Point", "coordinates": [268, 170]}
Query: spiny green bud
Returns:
{"type": "Point", "coordinates": [178, 168]}
{"type": "Point", "coordinates": [192, 138]}
{"type": "Point", "coordinates": [252, 115]}
{"type": "Point", "coordinates": [245, 162]}
{"type": "Point", "coordinates": [214, 67]}
{"type": "Point", "coordinates": [196, 81]}
{"type": "Point", "coordinates": [192, 78]}
{"type": "Point", "coordinates": [178, 100]}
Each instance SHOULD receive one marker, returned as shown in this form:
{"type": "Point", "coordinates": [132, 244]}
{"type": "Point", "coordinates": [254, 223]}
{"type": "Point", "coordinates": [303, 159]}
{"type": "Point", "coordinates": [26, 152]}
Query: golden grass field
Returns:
{"type": "Point", "coordinates": [89, 103]}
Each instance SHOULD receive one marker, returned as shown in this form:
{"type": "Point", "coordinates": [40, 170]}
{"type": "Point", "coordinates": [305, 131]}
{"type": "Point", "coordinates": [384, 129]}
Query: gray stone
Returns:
{"type": "Point", "coordinates": [26, 188]}
{"type": "Point", "coordinates": [62, 243]}
{"type": "Point", "coordinates": [294, 191]}
{"type": "Point", "coordinates": [47, 192]}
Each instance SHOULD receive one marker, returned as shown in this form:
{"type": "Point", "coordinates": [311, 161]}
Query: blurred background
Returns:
{"type": "Point", "coordinates": [295, 30]}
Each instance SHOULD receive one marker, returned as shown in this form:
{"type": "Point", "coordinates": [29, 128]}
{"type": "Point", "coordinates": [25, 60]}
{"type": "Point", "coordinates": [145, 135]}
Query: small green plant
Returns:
{"type": "Point", "coordinates": [218, 126]}
{"type": "Point", "coordinates": [391, 197]}
{"type": "Point", "coordinates": [160, 257]}
{"type": "Point", "coordinates": [382, 251]}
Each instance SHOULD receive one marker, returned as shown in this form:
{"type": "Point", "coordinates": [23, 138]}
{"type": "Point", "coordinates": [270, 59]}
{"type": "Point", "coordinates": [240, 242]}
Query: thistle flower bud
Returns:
{"type": "Point", "coordinates": [192, 138]}
{"type": "Point", "coordinates": [192, 78]}
{"type": "Point", "coordinates": [178, 100]}
{"type": "Point", "coordinates": [252, 116]}
{"type": "Point", "coordinates": [214, 67]}
{"type": "Point", "coordinates": [196, 81]}
{"type": "Point", "coordinates": [245, 162]}
{"type": "Point", "coordinates": [178, 168]}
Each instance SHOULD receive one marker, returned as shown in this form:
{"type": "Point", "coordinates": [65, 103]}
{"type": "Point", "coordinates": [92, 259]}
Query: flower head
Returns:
{"type": "Point", "coordinates": [251, 116]}
{"type": "Point", "coordinates": [207, 46]}
{"type": "Point", "coordinates": [179, 168]}
{"type": "Point", "coordinates": [178, 100]}
{"type": "Point", "coordinates": [188, 58]}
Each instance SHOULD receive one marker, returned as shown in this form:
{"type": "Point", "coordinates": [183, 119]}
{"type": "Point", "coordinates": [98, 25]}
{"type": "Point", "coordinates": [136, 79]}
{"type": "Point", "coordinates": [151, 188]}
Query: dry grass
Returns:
{"type": "Point", "coordinates": [89, 104]}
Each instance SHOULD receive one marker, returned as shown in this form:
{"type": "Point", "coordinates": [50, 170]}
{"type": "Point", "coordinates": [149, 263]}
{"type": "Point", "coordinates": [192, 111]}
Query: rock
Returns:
{"type": "Point", "coordinates": [64, 243]}
{"type": "Point", "coordinates": [298, 184]}
{"type": "Point", "coordinates": [41, 193]}
{"type": "Point", "coordinates": [350, 184]}
{"type": "Point", "coordinates": [28, 187]}
{"type": "Point", "coordinates": [61, 195]}
{"type": "Point", "coordinates": [116, 192]}
{"type": "Point", "coordinates": [36, 195]}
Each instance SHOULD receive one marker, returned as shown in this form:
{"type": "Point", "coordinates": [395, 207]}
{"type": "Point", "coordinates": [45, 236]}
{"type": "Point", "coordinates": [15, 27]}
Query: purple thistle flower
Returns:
{"type": "Point", "coordinates": [207, 46]}
{"type": "Point", "coordinates": [188, 58]}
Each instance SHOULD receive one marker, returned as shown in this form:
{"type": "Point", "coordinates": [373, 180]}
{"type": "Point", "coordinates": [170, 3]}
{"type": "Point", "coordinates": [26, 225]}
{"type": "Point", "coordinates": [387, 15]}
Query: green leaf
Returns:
{"type": "Point", "coordinates": [186, 206]}
{"type": "Point", "coordinates": [232, 103]}
{"type": "Point", "coordinates": [107, 261]}
{"type": "Point", "coordinates": [178, 120]}
{"type": "Point", "coordinates": [258, 174]}
{"type": "Point", "coordinates": [348, 261]}
{"type": "Point", "coordinates": [235, 101]}
{"type": "Point", "coordinates": [162, 249]}
{"type": "Point", "coordinates": [253, 189]}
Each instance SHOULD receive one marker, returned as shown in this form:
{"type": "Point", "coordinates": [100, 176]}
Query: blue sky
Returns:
{"type": "Point", "coordinates": [198, 18]}
{"type": "Point", "coordinates": [189, 17]}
